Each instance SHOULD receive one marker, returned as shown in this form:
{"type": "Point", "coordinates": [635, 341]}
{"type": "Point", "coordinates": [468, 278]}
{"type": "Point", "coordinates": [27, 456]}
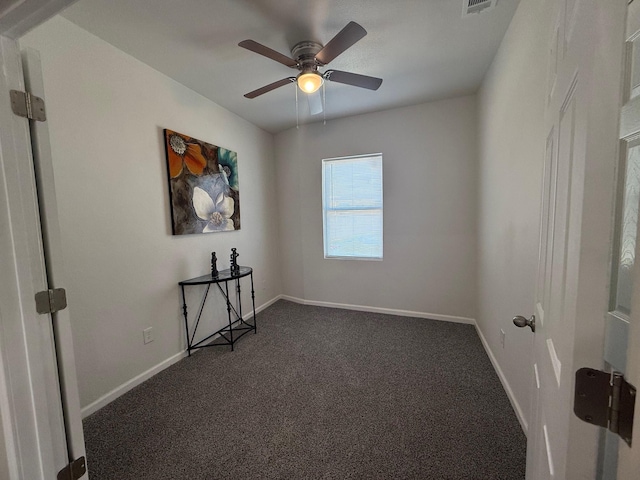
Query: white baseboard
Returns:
{"type": "Point", "coordinates": [134, 382]}
{"type": "Point", "coordinates": [505, 383]}
{"type": "Point", "coordinates": [263, 306]}
{"type": "Point", "coordinates": [388, 311]}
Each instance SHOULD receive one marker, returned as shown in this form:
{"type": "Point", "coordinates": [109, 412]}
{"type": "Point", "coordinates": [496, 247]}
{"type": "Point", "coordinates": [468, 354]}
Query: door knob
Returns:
{"type": "Point", "coordinates": [521, 322]}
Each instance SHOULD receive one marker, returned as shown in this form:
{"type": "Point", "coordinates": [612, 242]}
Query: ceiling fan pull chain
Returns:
{"type": "Point", "coordinates": [297, 115]}
{"type": "Point", "coordinates": [324, 105]}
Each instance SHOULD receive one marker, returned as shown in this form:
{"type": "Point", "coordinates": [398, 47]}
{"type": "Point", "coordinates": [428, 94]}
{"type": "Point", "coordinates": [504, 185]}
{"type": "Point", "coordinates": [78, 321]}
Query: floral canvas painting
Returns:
{"type": "Point", "coordinates": [203, 185]}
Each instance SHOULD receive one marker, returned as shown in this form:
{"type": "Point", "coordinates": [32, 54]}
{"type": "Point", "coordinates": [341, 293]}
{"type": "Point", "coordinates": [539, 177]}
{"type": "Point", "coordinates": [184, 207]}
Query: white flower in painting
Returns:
{"type": "Point", "coordinates": [216, 213]}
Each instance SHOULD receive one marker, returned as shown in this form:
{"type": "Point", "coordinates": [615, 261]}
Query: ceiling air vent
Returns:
{"type": "Point", "coordinates": [469, 7]}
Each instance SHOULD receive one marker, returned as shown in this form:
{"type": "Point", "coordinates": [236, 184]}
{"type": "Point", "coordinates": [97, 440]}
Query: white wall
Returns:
{"type": "Point", "coordinates": [106, 113]}
{"type": "Point", "coordinates": [511, 148]}
{"type": "Point", "coordinates": [429, 169]}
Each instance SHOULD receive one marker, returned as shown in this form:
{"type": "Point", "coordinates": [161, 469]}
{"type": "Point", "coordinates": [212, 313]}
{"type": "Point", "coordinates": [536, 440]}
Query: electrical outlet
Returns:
{"type": "Point", "coordinates": [148, 335]}
{"type": "Point", "coordinates": [502, 335]}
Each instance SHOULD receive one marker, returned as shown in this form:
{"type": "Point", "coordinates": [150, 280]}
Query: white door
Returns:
{"type": "Point", "coordinates": [585, 55]}
{"type": "Point", "coordinates": [629, 275]}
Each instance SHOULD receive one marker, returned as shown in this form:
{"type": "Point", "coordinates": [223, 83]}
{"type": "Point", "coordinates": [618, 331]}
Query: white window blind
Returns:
{"type": "Point", "coordinates": [352, 207]}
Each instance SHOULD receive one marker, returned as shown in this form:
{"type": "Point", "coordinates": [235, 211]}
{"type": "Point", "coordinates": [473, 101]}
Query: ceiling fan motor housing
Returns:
{"type": "Point", "coordinates": [304, 53]}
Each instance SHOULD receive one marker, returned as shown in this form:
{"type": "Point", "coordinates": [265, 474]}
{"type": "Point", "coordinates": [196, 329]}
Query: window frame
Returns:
{"type": "Point", "coordinates": [326, 254]}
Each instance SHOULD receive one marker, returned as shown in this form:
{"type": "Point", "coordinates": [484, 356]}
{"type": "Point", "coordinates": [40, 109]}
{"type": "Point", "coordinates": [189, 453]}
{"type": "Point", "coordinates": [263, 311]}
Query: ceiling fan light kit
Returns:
{"type": "Point", "coordinates": [308, 56]}
{"type": "Point", "coordinates": [310, 82]}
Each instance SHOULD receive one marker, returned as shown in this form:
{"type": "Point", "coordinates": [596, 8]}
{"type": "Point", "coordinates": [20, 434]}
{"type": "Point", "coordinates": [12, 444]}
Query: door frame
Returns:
{"type": "Point", "coordinates": [17, 17]}
{"type": "Point", "coordinates": [628, 459]}
{"type": "Point", "coordinates": [30, 448]}
{"type": "Point", "coordinates": [29, 406]}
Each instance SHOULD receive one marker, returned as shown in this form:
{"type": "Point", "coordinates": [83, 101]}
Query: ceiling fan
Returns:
{"type": "Point", "coordinates": [308, 56]}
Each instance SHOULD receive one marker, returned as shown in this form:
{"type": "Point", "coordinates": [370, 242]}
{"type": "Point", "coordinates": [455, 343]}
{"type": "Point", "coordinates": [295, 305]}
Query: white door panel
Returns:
{"type": "Point", "coordinates": [553, 341]}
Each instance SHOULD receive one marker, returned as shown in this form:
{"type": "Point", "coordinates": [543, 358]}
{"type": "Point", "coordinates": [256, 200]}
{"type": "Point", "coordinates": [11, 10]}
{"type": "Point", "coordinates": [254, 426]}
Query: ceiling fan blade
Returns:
{"type": "Point", "coordinates": [271, 86]}
{"type": "Point", "coordinates": [355, 79]}
{"type": "Point", "coordinates": [268, 52]}
{"type": "Point", "coordinates": [338, 44]}
{"type": "Point", "coordinates": [315, 103]}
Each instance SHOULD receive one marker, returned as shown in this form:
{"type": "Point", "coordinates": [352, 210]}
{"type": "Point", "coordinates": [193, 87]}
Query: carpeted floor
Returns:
{"type": "Point", "coordinates": [317, 393]}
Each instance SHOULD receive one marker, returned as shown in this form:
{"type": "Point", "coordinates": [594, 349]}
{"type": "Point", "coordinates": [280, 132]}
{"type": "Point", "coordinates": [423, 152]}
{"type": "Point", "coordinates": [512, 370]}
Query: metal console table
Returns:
{"type": "Point", "coordinates": [237, 326]}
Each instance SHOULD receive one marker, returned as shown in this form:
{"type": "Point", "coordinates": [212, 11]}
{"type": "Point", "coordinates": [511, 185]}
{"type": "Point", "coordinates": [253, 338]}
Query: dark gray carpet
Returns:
{"type": "Point", "coordinates": [317, 393]}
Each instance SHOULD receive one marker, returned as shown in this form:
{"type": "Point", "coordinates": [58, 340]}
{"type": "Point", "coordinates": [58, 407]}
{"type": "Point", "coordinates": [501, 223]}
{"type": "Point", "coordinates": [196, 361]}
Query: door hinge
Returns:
{"type": "Point", "coordinates": [51, 301]}
{"type": "Point", "coordinates": [26, 105]}
{"type": "Point", "coordinates": [605, 399]}
{"type": "Point", "coordinates": [74, 470]}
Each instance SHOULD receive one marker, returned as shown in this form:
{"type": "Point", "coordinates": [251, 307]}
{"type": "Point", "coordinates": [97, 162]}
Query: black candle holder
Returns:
{"type": "Point", "coordinates": [214, 268]}
{"type": "Point", "coordinates": [235, 268]}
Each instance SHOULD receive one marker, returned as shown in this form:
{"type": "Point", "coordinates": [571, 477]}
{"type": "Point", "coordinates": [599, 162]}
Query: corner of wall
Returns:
{"type": "Point", "coordinates": [511, 103]}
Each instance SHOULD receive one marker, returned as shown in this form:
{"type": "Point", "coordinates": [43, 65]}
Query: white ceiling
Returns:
{"type": "Point", "coordinates": [423, 49]}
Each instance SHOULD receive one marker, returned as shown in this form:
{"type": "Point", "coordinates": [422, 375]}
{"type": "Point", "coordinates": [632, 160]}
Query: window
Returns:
{"type": "Point", "coordinates": [352, 207]}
